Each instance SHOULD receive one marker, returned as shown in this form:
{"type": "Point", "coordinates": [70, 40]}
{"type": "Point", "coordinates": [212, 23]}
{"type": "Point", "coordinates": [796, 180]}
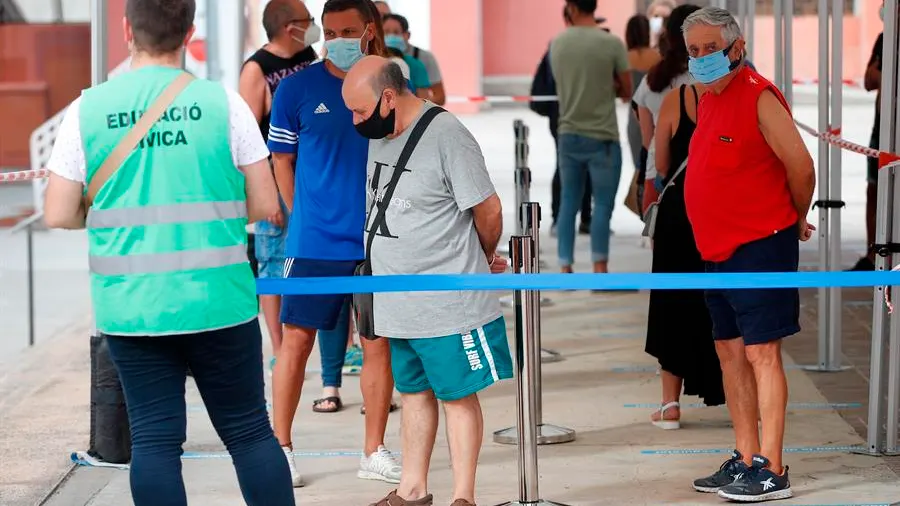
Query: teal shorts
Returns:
{"type": "Point", "coordinates": [455, 366]}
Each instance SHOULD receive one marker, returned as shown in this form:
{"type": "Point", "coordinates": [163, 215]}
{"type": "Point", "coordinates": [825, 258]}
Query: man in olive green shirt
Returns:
{"type": "Point", "coordinates": [587, 63]}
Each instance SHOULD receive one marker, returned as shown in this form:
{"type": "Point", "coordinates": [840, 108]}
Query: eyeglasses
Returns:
{"type": "Point", "coordinates": [302, 20]}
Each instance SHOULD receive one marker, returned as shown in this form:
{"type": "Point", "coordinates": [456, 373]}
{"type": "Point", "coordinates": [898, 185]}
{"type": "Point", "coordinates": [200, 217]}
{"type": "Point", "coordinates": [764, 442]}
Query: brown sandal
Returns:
{"type": "Point", "coordinates": [336, 401]}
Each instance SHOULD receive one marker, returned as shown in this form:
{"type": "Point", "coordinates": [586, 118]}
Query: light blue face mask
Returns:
{"type": "Point", "coordinates": [395, 41]}
{"type": "Point", "coordinates": [712, 67]}
{"type": "Point", "coordinates": [344, 53]}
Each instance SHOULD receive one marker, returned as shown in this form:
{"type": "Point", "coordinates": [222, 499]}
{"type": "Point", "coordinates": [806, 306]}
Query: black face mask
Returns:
{"type": "Point", "coordinates": [375, 127]}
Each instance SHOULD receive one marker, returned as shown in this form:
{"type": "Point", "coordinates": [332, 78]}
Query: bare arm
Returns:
{"type": "Point", "coordinates": [262, 196]}
{"type": "Point", "coordinates": [624, 80]}
{"type": "Point", "coordinates": [488, 217]}
{"type": "Point", "coordinates": [646, 121]}
{"type": "Point", "coordinates": [253, 89]}
{"type": "Point", "coordinates": [64, 203]}
{"type": "Point", "coordinates": [872, 79]}
{"type": "Point", "coordinates": [438, 95]}
{"type": "Point", "coordinates": [782, 136]}
{"type": "Point", "coordinates": [665, 129]}
{"type": "Point", "coordinates": [284, 177]}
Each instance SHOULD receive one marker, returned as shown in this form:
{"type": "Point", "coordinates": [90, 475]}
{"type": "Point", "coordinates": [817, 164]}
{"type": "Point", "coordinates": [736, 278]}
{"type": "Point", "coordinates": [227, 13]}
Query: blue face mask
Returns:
{"type": "Point", "coordinates": [712, 67]}
{"type": "Point", "coordinates": [395, 41]}
{"type": "Point", "coordinates": [344, 53]}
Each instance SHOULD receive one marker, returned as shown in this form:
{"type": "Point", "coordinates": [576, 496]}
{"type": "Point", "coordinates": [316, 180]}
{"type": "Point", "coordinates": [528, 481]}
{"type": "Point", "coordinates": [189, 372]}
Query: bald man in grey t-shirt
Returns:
{"type": "Point", "coordinates": [437, 214]}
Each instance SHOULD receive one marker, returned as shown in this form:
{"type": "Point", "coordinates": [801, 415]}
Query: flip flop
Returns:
{"type": "Point", "coordinates": [394, 407]}
{"type": "Point", "coordinates": [338, 405]}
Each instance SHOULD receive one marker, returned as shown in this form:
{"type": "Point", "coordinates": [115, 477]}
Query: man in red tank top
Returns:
{"type": "Point", "coordinates": [748, 189]}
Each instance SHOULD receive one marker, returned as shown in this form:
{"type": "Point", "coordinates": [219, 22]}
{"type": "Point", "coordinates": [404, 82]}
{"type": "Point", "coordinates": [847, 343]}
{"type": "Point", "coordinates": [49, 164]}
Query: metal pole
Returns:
{"type": "Point", "coordinates": [824, 188]}
{"type": "Point", "coordinates": [58, 16]}
{"type": "Point", "coordinates": [530, 216]}
{"type": "Point", "coordinates": [890, 142]}
{"type": "Point", "coordinates": [522, 249]}
{"type": "Point", "coordinates": [242, 37]}
{"type": "Point", "coordinates": [750, 31]}
{"type": "Point", "coordinates": [29, 253]}
{"type": "Point", "coordinates": [892, 424]}
{"type": "Point", "coordinates": [778, 14]}
{"type": "Point", "coordinates": [213, 61]}
{"type": "Point", "coordinates": [99, 44]}
{"type": "Point", "coordinates": [547, 433]}
{"type": "Point", "coordinates": [787, 17]}
{"type": "Point", "coordinates": [835, 306]}
{"type": "Point", "coordinates": [875, 437]}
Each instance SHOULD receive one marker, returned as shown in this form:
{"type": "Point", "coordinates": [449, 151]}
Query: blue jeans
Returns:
{"type": "Point", "coordinates": [333, 348]}
{"type": "Point", "coordinates": [227, 367]}
{"type": "Point", "coordinates": [578, 157]}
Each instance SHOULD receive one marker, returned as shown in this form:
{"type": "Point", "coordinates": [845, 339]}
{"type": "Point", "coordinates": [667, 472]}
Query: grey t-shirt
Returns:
{"type": "Point", "coordinates": [427, 58]}
{"type": "Point", "coordinates": [429, 229]}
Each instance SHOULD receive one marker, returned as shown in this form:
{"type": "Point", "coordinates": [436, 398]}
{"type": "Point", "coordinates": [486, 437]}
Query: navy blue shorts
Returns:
{"type": "Point", "coordinates": [319, 312]}
{"type": "Point", "coordinates": [759, 315]}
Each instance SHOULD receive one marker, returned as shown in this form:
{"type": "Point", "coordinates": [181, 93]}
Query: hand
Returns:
{"type": "Point", "coordinates": [276, 219]}
{"type": "Point", "coordinates": [806, 230]}
{"type": "Point", "coordinates": [498, 264]}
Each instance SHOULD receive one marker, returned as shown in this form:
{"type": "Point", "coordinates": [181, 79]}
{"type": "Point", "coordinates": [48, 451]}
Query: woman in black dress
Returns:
{"type": "Point", "coordinates": [679, 330]}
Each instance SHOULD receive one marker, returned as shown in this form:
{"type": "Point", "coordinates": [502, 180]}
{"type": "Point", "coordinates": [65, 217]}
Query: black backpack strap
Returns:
{"type": "Point", "coordinates": [416, 53]}
{"type": "Point", "coordinates": [381, 210]}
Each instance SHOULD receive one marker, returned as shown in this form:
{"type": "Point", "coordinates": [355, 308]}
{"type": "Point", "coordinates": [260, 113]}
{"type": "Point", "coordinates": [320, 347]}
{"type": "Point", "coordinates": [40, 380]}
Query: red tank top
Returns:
{"type": "Point", "coordinates": [736, 189]}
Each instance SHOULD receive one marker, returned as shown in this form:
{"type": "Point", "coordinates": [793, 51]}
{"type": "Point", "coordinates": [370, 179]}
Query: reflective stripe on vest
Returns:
{"type": "Point", "coordinates": [157, 263]}
{"type": "Point", "coordinates": [167, 214]}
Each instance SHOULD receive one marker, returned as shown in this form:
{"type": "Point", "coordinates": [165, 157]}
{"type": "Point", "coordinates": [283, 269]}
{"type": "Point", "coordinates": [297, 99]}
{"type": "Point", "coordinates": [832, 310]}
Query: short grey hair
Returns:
{"type": "Point", "coordinates": [715, 16]}
{"type": "Point", "coordinates": [390, 76]}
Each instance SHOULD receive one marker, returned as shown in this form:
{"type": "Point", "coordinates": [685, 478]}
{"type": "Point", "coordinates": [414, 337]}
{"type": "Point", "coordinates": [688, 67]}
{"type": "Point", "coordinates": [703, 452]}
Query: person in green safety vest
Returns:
{"type": "Point", "coordinates": [171, 283]}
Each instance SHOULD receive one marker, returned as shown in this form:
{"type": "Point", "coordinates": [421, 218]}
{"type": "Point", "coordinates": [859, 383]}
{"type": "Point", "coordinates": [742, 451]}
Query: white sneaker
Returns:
{"type": "Point", "coordinates": [296, 479]}
{"type": "Point", "coordinates": [381, 465]}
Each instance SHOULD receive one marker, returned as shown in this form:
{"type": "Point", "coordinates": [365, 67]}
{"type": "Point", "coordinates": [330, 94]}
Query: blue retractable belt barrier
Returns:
{"type": "Point", "coordinates": [617, 281]}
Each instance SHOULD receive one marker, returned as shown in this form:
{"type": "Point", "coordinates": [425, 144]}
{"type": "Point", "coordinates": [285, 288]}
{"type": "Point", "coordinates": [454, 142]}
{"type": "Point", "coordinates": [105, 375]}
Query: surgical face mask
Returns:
{"type": "Point", "coordinates": [881, 13]}
{"type": "Point", "coordinates": [311, 35]}
{"type": "Point", "coordinates": [712, 67]}
{"type": "Point", "coordinates": [656, 24]}
{"type": "Point", "coordinates": [375, 127]}
{"type": "Point", "coordinates": [344, 53]}
{"type": "Point", "coordinates": [395, 41]}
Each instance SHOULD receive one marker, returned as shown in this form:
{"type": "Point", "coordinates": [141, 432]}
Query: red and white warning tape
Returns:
{"type": "Point", "coordinates": [853, 83]}
{"type": "Point", "coordinates": [501, 99]}
{"type": "Point", "coordinates": [833, 137]}
{"type": "Point", "coordinates": [23, 175]}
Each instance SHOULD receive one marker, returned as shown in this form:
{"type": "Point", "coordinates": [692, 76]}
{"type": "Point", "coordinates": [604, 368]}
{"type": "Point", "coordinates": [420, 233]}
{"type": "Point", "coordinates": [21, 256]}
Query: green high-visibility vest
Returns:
{"type": "Point", "coordinates": [167, 238]}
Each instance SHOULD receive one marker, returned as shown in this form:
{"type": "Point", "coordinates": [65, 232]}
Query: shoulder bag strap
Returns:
{"type": "Point", "coordinates": [125, 146]}
{"type": "Point", "coordinates": [672, 180]}
{"type": "Point", "coordinates": [381, 210]}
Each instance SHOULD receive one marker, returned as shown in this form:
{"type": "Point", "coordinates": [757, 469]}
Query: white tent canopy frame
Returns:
{"type": "Point", "coordinates": [884, 394]}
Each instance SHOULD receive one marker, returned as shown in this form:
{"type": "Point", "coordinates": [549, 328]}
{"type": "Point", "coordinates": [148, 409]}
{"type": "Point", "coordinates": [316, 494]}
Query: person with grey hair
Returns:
{"type": "Point", "coordinates": [432, 210]}
{"type": "Point", "coordinates": [747, 150]}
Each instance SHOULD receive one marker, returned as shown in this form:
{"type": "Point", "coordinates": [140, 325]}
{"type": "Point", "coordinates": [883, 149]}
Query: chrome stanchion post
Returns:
{"type": "Point", "coordinates": [546, 433]}
{"type": "Point", "coordinates": [521, 183]}
{"type": "Point", "coordinates": [522, 250]}
{"type": "Point", "coordinates": [530, 215]}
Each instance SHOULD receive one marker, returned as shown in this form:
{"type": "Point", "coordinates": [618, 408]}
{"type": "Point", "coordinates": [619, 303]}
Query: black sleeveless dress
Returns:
{"type": "Point", "coordinates": [679, 329]}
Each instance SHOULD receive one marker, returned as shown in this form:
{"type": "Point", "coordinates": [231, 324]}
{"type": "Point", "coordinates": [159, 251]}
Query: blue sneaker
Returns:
{"type": "Point", "coordinates": [728, 472]}
{"type": "Point", "coordinates": [758, 484]}
{"type": "Point", "coordinates": [353, 360]}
